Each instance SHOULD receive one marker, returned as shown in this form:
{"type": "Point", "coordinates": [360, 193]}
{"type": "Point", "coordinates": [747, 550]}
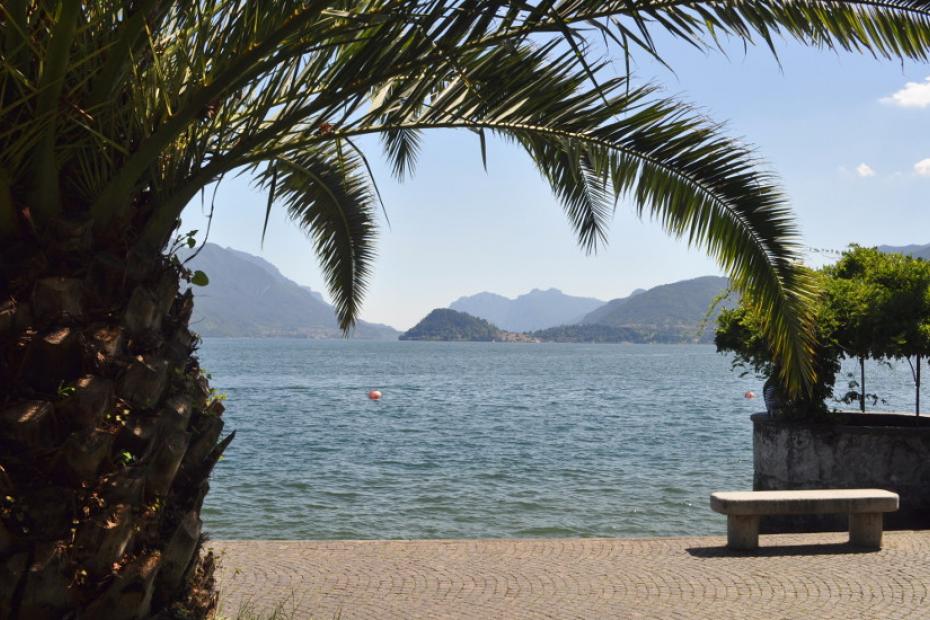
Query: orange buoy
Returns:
{"type": "Point", "coordinates": [374, 395]}
{"type": "Point", "coordinates": [750, 395]}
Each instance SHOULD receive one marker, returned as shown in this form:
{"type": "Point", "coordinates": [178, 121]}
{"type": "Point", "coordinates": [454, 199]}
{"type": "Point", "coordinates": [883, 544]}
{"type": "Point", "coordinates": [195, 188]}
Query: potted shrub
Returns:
{"type": "Point", "coordinates": [870, 305]}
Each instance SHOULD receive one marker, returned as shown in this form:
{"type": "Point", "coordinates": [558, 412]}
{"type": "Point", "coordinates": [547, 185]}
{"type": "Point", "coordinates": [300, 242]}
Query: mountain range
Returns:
{"type": "Point", "coordinates": [248, 296]}
{"type": "Point", "coordinates": [674, 312]}
{"type": "Point", "coordinates": [680, 306]}
{"type": "Point", "coordinates": [535, 310]}
{"type": "Point", "coordinates": [678, 310]}
{"type": "Point", "coordinates": [917, 251]}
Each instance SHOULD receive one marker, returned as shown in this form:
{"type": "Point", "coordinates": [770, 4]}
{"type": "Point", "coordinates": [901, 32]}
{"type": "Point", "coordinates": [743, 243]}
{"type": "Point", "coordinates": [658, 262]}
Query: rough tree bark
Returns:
{"type": "Point", "coordinates": [108, 434]}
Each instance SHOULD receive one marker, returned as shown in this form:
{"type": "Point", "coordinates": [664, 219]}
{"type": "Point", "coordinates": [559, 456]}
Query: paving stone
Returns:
{"type": "Point", "coordinates": [791, 576]}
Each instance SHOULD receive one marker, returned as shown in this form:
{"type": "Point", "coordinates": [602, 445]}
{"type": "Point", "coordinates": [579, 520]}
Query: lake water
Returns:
{"type": "Point", "coordinates": [481, 439]}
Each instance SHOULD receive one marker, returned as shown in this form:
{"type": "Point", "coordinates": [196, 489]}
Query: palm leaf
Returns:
{"type": "Point", "coordinates": [401, 147]}
{"type": "Point", "coordinates": [329, 196]}
{"type": "Point", "coordinates": [596, 144]}
{"type": "Point", "coordinates": [146, 103]}
{"type": "Point", "coordinates": [886, 28]}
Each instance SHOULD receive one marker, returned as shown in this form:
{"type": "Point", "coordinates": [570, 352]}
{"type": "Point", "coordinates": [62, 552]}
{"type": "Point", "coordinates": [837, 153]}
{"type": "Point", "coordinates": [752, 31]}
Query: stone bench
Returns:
{"type": "Point", "coordinates": [864, 506]}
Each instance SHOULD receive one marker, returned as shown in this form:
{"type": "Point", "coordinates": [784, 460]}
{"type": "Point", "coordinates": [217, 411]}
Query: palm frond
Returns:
{"type": "Point", "coordinates": [132, 107]}
{"type": "Point", "coordinates": [327, 193]}
{"type": "Point", "coordinates": [402, 147]}
{"type": "Point", "coordinates": [598, 144]}
{"type": "Point", "coordinates": [886, 28]}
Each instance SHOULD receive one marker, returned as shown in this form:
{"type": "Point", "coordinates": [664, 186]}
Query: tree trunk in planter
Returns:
{"type": "Point", "coordinates": [108, 434]}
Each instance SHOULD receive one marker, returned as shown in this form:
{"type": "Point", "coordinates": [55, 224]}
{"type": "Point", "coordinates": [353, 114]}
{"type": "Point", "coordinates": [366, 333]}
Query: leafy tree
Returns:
{"type": "Point", "coordinates": [851, 297]}
{"type": "Point", "coordinates": [886, 301]}
{"type": "Point", "coordinates": [115, 114]}
{"type": "Point", "coordinates": [872, 305]}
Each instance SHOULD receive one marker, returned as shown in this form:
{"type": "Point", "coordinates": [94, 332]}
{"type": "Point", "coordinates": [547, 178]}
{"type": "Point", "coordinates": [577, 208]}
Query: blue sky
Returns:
{"type": "Point", "coordinates": [847, 135]}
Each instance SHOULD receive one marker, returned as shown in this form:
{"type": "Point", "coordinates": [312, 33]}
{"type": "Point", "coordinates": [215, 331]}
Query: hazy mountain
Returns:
{"type": "Point", "coordinates": [248, 296]}
{"type": "Point", "coordinates": [670, 312]}
{"type": "Point", "coordinates": [594, 317]}
{"type": "Point", "coordinates": [535, 310]}
{"type": "Point", "coordinates": [917, 251]}
{"type": "Point", "coordinates": [316, 294]}
{"type": "Point", "coordinates": [488, 306]}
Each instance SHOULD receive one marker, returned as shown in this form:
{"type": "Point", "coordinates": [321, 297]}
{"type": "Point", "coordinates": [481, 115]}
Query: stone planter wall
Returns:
{"type": "Point", "coordinates": [885, 451]}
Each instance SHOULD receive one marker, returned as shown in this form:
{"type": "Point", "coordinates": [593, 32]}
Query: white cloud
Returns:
{"type": "Point", "coordinates": [865, 170]}
{"type": "Point", "coordinates": [913, 95]}
{"type": "Point", "coordinates": [923, 167]}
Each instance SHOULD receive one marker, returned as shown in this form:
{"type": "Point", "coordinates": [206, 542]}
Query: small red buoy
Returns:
{"type": "Point", "coordinates": [374, 395]}
{"type": "Point", "coordinates": [750, 395]}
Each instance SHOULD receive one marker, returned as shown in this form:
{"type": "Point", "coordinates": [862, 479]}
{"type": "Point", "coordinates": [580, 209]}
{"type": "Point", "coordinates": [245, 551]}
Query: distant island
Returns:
{"type": "Point", "coordinates": [444, 324]}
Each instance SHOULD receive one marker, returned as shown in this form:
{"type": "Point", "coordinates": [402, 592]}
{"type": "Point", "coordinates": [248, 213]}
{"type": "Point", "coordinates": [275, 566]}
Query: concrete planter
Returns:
{"type": "Point", "coordinates": [884, 451]}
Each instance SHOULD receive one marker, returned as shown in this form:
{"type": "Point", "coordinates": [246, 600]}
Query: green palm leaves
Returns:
{"type": "Point", "coordinates": [329, 196]}
{"type": "Point", "coordinates": [123, 111]}
{"type": "Point", "coordinates": [887, 28]}
{"type": "Point", "coordinates": [598, 144]}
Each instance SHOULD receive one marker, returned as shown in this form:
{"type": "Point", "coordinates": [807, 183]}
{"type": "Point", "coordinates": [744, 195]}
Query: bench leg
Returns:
{"type": "Point", "coordinates": [865, 529]}
{"type": "Point", "coordinates": [742, 531]}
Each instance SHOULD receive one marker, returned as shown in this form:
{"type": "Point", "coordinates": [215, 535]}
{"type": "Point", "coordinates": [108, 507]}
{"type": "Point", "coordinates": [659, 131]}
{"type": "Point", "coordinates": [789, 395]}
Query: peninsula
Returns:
{"type": "Point", "coordinates": [443, 324]}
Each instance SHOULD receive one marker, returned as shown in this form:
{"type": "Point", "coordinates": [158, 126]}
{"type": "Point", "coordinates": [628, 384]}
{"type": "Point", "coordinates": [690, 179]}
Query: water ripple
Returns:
{"type": "Point", "coordinates": [474, 439]}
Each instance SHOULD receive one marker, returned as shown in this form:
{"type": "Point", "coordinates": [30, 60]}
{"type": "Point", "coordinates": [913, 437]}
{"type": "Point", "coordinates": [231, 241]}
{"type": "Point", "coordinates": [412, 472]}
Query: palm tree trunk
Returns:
{"type": "Point", "coordinates": [108, 434]}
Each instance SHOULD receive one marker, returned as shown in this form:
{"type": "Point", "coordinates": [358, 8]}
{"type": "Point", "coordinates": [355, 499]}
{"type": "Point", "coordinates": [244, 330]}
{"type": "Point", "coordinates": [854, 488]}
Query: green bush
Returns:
{"type": "Point", "coordinates": [739, 331]}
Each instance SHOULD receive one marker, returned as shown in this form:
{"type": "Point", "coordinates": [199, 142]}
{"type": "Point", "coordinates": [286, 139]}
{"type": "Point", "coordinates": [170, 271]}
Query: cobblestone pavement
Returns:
{"type": "Point", "coordinates": [791, 576]}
